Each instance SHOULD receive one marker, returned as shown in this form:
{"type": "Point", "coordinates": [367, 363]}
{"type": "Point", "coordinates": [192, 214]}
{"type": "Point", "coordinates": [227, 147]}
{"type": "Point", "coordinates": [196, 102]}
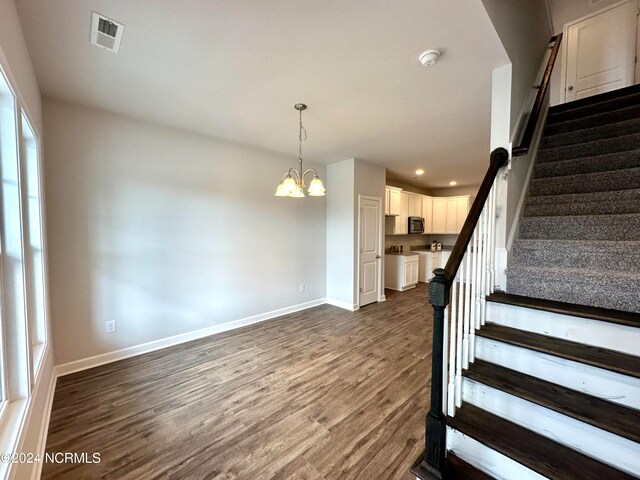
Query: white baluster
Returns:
{"type": "Point", "coordinates": [494, 195]}
{"type": "Point", "coordinates": [483, 273]}
{"type": "Point", "coordinates": [479, 273]}
{"type": "Point", "coordinates": [472, 301]}
{"type": "Point", "coordinates": [467, 307]}
{"type": "Point", "coordinates": [452, 352]}
{"type": "Point", "coordinates": [460, 322]}
{"type": "Point", "coordinates": [445, 357]}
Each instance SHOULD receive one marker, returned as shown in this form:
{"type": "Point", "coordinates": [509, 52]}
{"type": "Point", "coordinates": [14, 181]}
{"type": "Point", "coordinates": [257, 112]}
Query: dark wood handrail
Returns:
{"type": "Point", "coordinates": [532, 123]}
{"type": "Point", "coordinates": [432, 464]}
{"type": "Point", "coordinates": [499, 158]}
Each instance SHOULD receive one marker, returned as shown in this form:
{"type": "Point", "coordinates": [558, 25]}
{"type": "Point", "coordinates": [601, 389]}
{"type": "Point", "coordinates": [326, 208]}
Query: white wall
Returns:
{"type": "Point", "coordinates": [167, 232]}
{"type": "Point", "coordinates": [369, 180]}
{"type": "Point", "coordinates": [347, 180]}
{"type": "Point", "coordinates": [340, 232]}
{"type": "Point", "coordinates": [523, 28]}
{"type": "Point", "coordinates": [16, 63]}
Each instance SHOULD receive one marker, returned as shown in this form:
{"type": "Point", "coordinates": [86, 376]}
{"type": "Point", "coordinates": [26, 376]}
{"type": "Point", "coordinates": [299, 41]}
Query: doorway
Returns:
{"type": "Point", "coordinates": [370, 249]}
{"type": "Point", "coordinates": [600, 51]}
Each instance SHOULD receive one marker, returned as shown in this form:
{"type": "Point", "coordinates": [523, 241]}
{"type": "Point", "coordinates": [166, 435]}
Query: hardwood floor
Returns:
{"type": "Point", "coordinates": [320, 394]}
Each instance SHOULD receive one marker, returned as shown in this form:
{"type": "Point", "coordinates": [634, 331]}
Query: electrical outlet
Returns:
{"type": "Point", "coordinates": [302, 287]}
{"type": "Point", "coordinates": [110, 326]}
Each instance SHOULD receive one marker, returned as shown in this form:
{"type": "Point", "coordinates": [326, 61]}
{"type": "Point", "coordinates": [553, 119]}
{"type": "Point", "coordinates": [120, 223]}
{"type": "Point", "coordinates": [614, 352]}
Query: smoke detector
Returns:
{"type": "Point", "coordinates": [106, 33]}
{"type": "Point", "coordinates": [429, 57]}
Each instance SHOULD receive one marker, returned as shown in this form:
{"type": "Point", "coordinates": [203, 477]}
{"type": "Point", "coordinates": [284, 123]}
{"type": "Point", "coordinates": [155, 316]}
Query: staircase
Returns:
{"type": "Point", "coordinates": [580, 235]}
{"type": "Point", "coordinates": [544, 381]}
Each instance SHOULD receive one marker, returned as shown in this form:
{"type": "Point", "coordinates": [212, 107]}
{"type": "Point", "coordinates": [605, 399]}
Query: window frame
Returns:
{"type": "Point", "coordinates": [21, 369]}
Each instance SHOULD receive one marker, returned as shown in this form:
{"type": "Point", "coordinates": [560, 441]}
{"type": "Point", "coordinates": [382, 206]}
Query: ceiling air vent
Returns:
{"type": "Point", "coordinates": [106, 33]}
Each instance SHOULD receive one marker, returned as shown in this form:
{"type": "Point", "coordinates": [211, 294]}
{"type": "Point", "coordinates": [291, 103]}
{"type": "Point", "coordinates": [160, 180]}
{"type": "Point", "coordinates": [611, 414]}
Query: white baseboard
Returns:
{"type": "Point", "coordinates": [341, 304]}
{"type": "Point", "coordinates": [32, 471]}
{"type": "Point", "coordinates": [42, 437]}
{"type": "Point", "coordinates": [97, 360]}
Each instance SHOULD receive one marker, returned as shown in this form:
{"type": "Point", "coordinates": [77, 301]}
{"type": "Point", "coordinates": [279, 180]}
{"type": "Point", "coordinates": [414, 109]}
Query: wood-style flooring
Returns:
{"type": "Point", "coordinates": [319, 394]}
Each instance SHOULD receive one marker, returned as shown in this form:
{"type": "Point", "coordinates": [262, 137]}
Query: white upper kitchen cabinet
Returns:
{"type": "Point", "coordinates": [439, 215]}
{"type": "Point", "coordinates": [451, 225]}
{"type": "Point", "coordinates": [462, 210]}
{"type": "Point", "coordinates": [427, 213]}
{"type": "Point", "coordinates": [449, 214]}
{"type": "Point", "coordinates": [386, 201]}
{"type": "Point", "coordinates": [401, 221]}
{"type": "Point", "coordinates": [414, 205]}
{"type": "Point", "coordinates": [392, 197]}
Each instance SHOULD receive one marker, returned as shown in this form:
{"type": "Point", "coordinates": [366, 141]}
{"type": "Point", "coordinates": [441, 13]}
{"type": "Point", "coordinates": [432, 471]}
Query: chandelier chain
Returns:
{"type": "Point", "coordinates": [302, 136]}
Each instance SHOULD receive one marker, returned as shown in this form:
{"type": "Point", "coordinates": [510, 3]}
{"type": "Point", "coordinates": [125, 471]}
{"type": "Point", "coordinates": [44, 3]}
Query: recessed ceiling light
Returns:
{"type": "Point", "coordinates": [453, 182]}
{"type": "Point", "coordinates": [419, 171]}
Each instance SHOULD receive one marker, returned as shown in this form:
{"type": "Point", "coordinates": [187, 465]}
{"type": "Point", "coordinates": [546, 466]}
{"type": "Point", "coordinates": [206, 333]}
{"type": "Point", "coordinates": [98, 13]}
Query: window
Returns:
{"type": "Point", "coordinates": [7, 150]}
{"type": "Point", "coordinates": [33, 249]}
{"type": "Point", "coordinates": [16, 371]}
{"type": "Point", "coordinates": [22, 273]}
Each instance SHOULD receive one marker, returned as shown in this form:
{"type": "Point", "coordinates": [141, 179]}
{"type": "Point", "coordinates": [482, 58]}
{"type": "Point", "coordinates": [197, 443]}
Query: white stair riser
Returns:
{"type": "Point", "coordinates": [594, 442]}
{"type": "Point", "coordinates": [594, 381]}
{"type": "Point", "coordinates": [575, 329]}
{"type": "Point", "coordinates": [484, 458]}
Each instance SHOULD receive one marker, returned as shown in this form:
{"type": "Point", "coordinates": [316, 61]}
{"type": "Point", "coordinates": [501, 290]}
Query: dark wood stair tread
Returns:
{"type": "Point", "coordinates": [595, 99]}
{"type": "Point", "coordinates": [538, 453]}
{"type": "Point", "coordinates": [589, 355]}
{"type": "Point", "coordinates": [457, 469]}
{"type": "Point", "coordinates": [584, 311]}
{"type": "Point", "coordinates": [600, 413]}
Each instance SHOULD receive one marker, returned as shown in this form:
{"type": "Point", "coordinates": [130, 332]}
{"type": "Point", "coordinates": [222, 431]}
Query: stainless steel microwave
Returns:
{"type": "Point", "coordinates": [416, 225]}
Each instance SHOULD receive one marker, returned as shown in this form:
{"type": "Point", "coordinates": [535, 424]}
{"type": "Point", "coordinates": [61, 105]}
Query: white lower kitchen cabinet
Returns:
{"type": "Point", "coordinates": [429, 261]}
{"type": "Point", "coordinates": [401, 271]}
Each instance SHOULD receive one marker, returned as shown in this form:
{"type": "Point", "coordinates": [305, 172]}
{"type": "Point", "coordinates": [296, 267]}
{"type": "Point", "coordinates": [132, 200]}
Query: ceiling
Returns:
{"type": "Point", "coordinates": [233, 69]}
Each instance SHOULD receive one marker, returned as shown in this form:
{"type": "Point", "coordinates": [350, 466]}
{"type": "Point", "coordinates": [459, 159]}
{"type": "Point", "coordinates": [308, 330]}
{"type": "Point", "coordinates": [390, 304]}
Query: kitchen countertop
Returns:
{"type": "Point", "coordinates": [428, 249]}
{"type": "Point", "coordinates": [404, 254]}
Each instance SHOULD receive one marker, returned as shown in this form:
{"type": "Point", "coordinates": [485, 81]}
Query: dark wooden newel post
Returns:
{"type": "Point", "coordinates": [434, 454]}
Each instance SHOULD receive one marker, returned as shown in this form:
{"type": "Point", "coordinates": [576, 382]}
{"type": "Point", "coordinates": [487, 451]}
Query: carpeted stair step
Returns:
{"type": "Point", "coordinates": [590, 106]}
{"type": "Point", "coordinates": [582, 227]}
{"type": "Point", "coordinates": [620, 195]}
{"type": "Point", "coordinates": [599, 132]}
{"type": "Point", "coordinates": [613, 203]}
{"type": "Point", "coordinates": [595, 120]}
{"type": "Point", "coordinates": [615, 290]}
{"type": "Point", "coordinates": [626, 179]}
{"type": "Point", "coordinates": [596, 255]}
{"type": "Point", "coordinates": [599, 163]}
{"type": "Point", "coordinates": [622, 143]}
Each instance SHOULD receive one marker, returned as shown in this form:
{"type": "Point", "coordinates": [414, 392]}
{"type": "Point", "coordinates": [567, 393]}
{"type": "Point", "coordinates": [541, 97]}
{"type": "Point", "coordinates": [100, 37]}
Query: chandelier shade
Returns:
{"type": "Point", "coordinates": [292, 183]}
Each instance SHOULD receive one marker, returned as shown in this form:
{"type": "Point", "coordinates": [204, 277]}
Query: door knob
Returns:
{"type": "Point", "coordinates": [377, 256]}
{"type": "Point", "coordinates": [570, 87]}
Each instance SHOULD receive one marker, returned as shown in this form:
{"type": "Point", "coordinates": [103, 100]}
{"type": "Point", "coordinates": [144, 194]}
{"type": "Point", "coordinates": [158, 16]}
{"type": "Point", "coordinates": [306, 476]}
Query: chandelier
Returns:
{"type": "Point", "coordinates": [292, 184]}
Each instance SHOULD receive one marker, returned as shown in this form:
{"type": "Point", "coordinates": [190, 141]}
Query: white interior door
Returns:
{"type": "Point", "coordinates": [370, 250]}
{"type": "Point", "coordinates": [601, 51]}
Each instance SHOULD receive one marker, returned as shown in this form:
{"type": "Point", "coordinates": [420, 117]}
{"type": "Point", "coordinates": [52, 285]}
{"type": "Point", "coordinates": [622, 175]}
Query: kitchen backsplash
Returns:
{"type": "Point", "coordinates": [408, 241]}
